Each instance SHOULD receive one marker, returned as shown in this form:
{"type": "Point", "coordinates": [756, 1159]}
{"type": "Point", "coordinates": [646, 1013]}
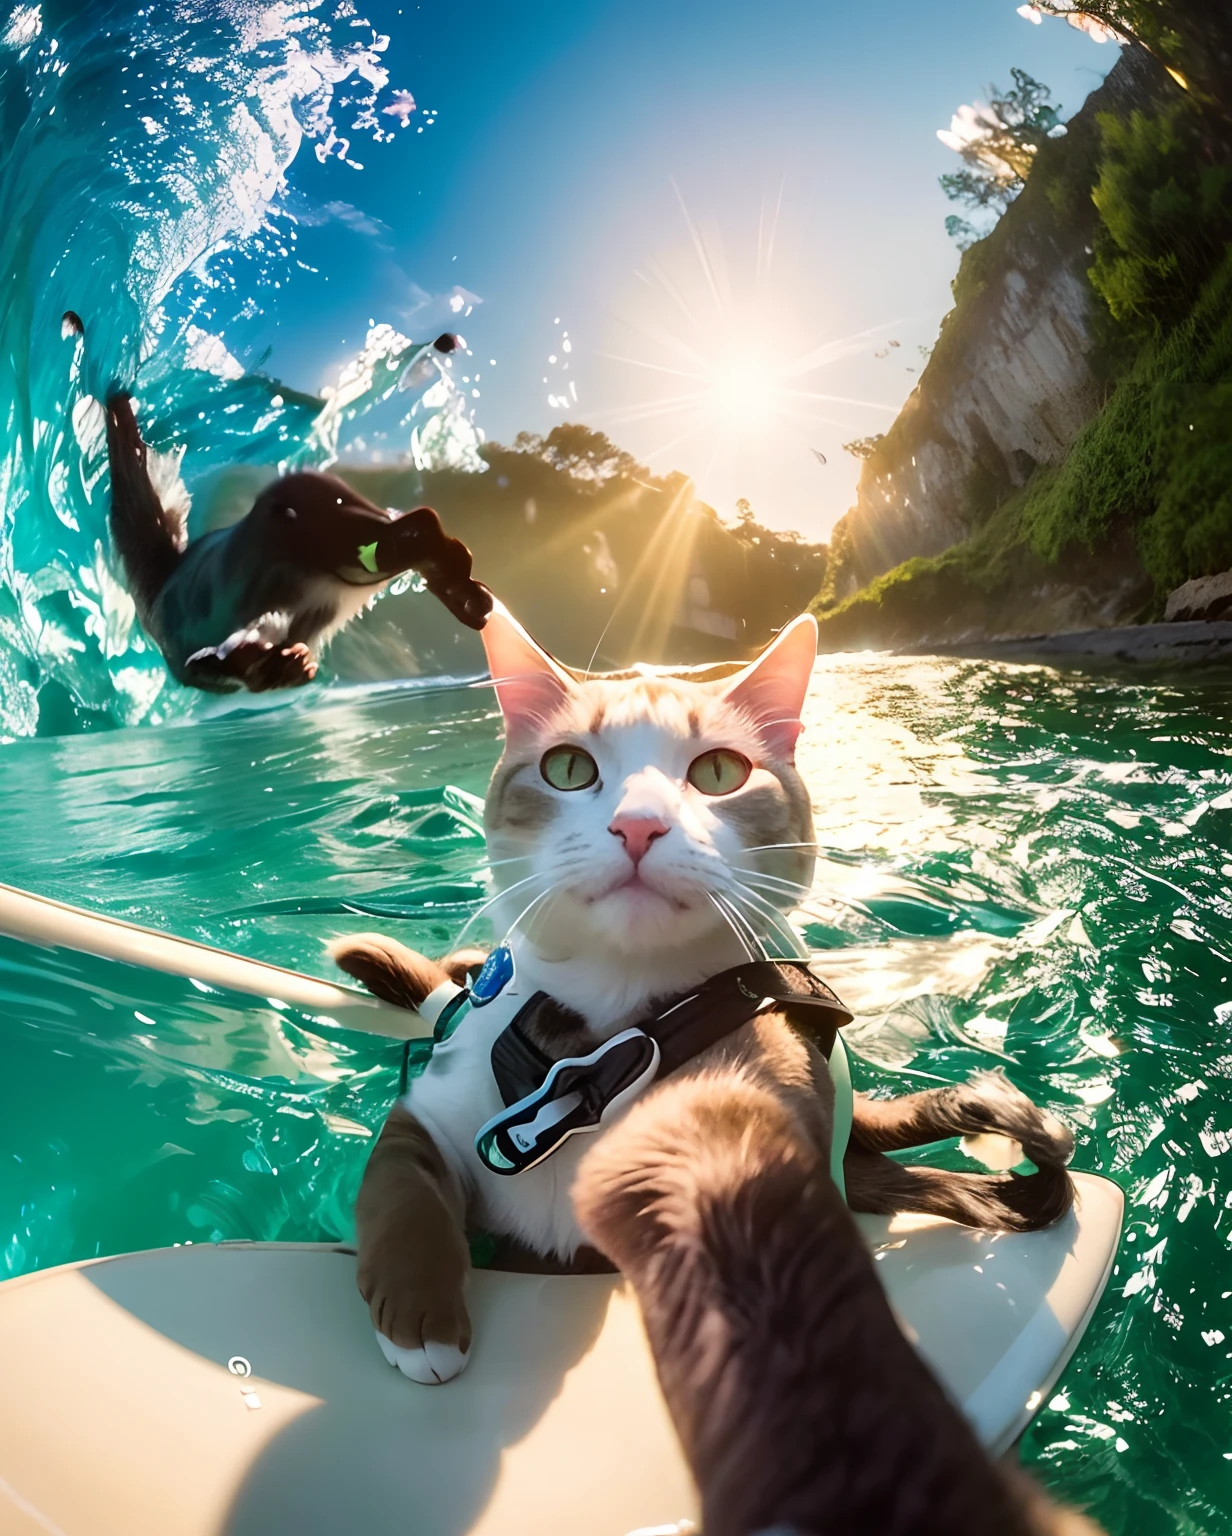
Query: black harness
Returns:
{"type": "Point", "coordinates": [548, 1100]}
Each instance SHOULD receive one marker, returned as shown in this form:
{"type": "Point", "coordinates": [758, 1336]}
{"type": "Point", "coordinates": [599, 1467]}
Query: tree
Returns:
{"type": "Point", "coordinates": [1165, 216]}
{"type": "Point", "coordinates": [997, 142]}
{"type": "Point", "coordinates": [581, 452]}
{"type": "Point", "coordinates": [1191, 39]}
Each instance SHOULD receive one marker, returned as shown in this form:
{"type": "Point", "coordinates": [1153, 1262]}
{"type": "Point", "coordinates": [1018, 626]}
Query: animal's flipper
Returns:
{"type": "Point", "coordinates": [148, 532]}
{"type": "Point", "coordinates": [253, 664]}
{"type": "Point", "coordinates": [417, 541]}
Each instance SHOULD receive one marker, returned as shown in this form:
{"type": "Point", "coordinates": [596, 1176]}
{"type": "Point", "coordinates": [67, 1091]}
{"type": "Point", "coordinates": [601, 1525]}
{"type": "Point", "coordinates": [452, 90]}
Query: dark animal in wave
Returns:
{"type": "Point", "coordinates": [250, 606]}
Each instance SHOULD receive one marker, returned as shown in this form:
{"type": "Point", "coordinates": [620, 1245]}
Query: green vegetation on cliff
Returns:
{"type": "Point", "coordinates": [1143, 499]}
{"type": "Point", "coordinates": [1158, 456]}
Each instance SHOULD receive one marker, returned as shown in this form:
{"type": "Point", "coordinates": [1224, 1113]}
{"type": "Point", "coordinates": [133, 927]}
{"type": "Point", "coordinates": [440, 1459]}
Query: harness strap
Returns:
{"type": "Point", "coordinates": [444, 1008]}
{"type": "Point", "coordinates": [518, 1065]}
{"type": "Point", "coordinates": [699, 1019]}
{"type": "Point", "coordinates": [547, 1100]}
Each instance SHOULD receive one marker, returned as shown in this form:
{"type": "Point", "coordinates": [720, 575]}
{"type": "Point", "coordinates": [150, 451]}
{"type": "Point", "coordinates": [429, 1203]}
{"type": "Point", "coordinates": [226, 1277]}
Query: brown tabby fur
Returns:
{"type": "Point", "coordinates": [798, 1401]}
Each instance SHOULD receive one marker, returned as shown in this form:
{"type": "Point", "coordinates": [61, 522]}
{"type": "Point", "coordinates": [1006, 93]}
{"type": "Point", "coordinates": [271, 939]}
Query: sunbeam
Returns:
{"type": "Point", "coordinates": [732, 326]}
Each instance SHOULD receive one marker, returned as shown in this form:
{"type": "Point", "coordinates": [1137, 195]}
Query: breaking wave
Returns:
{"type": "Point", "coordinates": [143, 186]}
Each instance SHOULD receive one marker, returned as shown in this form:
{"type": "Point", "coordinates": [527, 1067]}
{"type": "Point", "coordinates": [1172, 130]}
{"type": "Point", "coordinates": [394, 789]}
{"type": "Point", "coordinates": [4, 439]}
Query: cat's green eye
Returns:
{"type": "Point", "coordinates": [569, 768]}
{"type": "Point", "coordinates": [719, 772]}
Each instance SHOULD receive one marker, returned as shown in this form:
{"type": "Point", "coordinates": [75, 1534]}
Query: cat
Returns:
{"type": "Point", "coordinates": [635, 825]}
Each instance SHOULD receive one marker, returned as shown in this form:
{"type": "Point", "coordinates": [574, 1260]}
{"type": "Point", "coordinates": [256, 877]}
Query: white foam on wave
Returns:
{"type": "Point", "coordinates": [24, 26]}
{"type": "Point", "coordinates": [270, 108]}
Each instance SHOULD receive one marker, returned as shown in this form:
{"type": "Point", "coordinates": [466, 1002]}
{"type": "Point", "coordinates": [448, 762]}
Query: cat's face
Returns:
{"type": "Point", "coordinates": [647, 812]}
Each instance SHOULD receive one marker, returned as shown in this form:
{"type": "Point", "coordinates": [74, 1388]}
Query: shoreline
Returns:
{"type": "Point", "coordinates": [1194, 643]}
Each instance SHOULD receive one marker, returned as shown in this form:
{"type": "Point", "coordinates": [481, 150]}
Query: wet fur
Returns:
{"type": "Point", "coordinates": [150, 530]}
{"type": "Point", "coordinates": [248, 606]}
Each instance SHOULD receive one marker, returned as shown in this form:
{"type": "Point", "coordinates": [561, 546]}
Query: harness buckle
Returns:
{"type": "Point", "coordinates": [579, 1094]}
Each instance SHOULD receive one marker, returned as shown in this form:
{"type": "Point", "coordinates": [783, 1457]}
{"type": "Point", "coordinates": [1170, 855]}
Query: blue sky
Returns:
{"type": "Point", "coordinates": [588, 162]}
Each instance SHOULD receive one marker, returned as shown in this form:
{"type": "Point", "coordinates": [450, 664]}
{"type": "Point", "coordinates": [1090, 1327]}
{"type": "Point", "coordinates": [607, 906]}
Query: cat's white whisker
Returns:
{"type": "Point", "coordinates": [776, 885]}
{"type": "Point", "coordinates": [739, 926]}
{"type": "Point", "coordinates": [773, 847]}
{"type": "Point", "coordinates": [758, 904]}
{"type": "Point", "coordinates": [491, 902]}
{"type": "Point", "coordinates": [810, 909]}
{"type": "Point", "coordinates": [770, 885]}
{"type": "Point", "coordinates": [552, 890]}
{"type": "Point", "coordinates": [769, 880]}
{"type": "Point", "coordinates": [520, 858]}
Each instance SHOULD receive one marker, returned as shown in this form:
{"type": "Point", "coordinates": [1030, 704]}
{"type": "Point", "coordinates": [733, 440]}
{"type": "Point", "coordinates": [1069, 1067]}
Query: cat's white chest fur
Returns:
{"type": "Point", "coordinates": [456, 1095]}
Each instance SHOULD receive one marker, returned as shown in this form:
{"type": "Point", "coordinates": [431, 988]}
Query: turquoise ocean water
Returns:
{"type": "Point", "coordinates": [147, 185]}
{"type": "Point", "coordinates": [1021, 867]}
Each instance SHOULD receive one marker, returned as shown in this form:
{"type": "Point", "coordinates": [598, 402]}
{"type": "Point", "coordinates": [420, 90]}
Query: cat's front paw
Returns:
{"type": "Point", "coordinates": [420, 1319]}
{"type": "Point", "coordinates": [388, 969]}
{"type": "Point", "coordinates": [430, 1364]}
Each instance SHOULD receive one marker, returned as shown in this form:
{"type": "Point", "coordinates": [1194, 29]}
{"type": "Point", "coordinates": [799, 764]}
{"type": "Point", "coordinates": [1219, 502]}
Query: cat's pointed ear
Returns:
{"type": "Point", "coordinates": [771, 689]}
{"type": "Point", "coordinates": [529, 684]}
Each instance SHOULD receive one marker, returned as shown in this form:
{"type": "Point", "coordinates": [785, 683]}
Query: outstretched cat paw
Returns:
{"type": "Point", "coordinates": [432, 1364]}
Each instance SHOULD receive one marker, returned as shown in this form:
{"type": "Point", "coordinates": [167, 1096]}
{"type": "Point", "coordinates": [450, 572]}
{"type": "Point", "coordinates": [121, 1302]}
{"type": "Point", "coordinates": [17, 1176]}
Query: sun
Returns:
{"type": "Point", "coordinates": [716, 351]}
{"type": "Point", "coordinates": [739, 393]}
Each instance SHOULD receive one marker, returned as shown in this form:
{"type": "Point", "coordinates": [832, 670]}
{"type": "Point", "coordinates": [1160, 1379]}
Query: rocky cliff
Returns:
{"type": "Point", "coordinates": [1013, 377]}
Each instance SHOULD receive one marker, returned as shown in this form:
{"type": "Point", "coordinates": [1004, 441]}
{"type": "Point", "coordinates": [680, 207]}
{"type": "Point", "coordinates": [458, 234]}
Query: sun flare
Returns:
{"type": "Point", "coordinates": [739, 394]}
{"type": "Point", "coordinates": [717, 351]}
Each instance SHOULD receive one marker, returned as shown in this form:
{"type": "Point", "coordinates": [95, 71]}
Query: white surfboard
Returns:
{"type": "Point", "coordinates": [236, 1389]}
{"type": "Point", "coordinates": [55, 925]}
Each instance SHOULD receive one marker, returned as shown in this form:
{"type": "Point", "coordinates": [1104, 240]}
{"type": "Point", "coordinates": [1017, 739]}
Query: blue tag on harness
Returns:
{"type": "Point", "coordinates": [495, 976]}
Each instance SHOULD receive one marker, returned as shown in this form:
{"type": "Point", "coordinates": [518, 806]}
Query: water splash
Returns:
{"type": "Point", "coordinates": [144, 187]}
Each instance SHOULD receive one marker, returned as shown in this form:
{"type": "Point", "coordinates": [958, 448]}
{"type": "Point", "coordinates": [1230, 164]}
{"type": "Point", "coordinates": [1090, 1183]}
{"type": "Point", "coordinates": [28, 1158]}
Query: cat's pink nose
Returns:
{"type": "Point", "coordinates": [637, 833]}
